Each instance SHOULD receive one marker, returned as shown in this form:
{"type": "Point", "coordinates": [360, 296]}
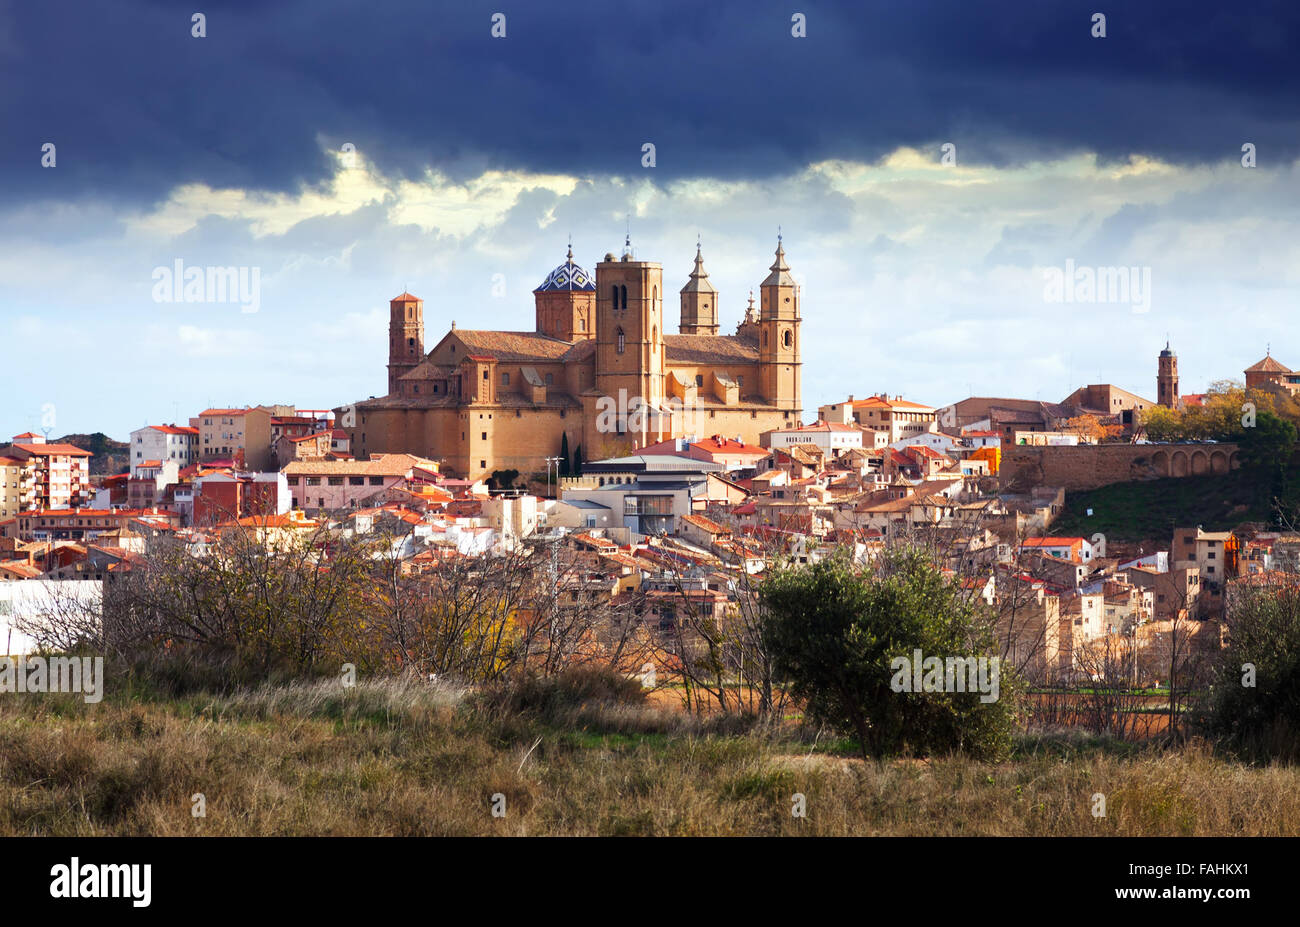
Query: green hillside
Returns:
{"type": "Point", "coordinates": [1140, 510]}
{"type": "Point", "coordinates": [109, 456]}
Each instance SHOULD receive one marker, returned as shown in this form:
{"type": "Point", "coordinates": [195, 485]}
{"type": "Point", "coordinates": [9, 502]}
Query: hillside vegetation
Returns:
{"type": "Point", "coordinates": [1151, 509]}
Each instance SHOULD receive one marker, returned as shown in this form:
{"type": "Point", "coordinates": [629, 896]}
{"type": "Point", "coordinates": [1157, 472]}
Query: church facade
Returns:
{"type": "Point", "coordinates": [600, 374]}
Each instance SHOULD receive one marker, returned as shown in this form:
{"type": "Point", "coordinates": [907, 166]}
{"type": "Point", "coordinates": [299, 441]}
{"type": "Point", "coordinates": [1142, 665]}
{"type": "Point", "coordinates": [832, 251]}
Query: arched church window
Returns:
{"type": "Point", "coordinates": [622, 341]}
{"type": "Point", "coordinates": [613, 294]}
{"type": "Point", "coordinates": [622, 294]}
{"type": "Point", "coordinates": [787, 338]}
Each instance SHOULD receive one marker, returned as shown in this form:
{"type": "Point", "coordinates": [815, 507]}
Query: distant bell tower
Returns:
{"type": "Point", "coordinates": [405, 337]}
{"type": "Point", "coordinates": [1167, 378]}
{"type": "Point", "coordinates": [778, 346]}
{"type": "Point", "coordinates": [699, 302]}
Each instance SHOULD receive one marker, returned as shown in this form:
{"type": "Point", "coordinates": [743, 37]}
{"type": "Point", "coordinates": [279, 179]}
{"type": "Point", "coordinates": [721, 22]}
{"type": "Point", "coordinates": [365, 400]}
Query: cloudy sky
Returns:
{"type": "Point", "coordinates": [349, 151]}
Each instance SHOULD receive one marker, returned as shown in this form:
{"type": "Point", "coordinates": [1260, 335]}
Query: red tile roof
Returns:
{"type": "Point", "coordinates": [65, 450]}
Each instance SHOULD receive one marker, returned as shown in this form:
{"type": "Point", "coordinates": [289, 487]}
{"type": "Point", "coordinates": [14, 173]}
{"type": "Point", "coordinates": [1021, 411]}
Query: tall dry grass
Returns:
{"type": "Point", "coordinates": [407, 758]}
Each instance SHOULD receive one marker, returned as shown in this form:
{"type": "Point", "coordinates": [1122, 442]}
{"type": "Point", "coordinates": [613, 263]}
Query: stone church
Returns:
{"type": "Point", "coordinates": [600, 370]}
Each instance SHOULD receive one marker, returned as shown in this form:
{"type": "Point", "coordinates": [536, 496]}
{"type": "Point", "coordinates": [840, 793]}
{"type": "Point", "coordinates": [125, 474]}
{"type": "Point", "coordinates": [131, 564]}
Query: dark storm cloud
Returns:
{"type": "Point", "coordinates": [137, 106]}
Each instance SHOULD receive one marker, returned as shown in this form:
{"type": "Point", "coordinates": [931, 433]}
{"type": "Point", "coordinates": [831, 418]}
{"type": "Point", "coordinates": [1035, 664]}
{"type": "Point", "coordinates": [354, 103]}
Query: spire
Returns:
{"type": "Point", "coordinates": [749, 312]}
{"type": "Point", "coordinates": [780, 275]}
{"type": "Point", "coordinates": [699, 282]}
{"type": "Point", "coordinates": [569, 256]}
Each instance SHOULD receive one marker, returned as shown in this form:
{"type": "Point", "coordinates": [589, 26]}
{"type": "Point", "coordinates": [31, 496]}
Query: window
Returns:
{"type": "Point", "coordinates": [482, 464]}
{"type": "Point", "coordinates": [336, 480]}
{"type": "Point", "coordinates": [485, 373]}
{"type": "Point", "coordinates": [313, 481]}
{"type": "Point", "coordinates": [699, 379]}
{"type": "Point", "coordinates": [787, 339]}
{"type": "Point", "coordinates": [622, 296]}
{"type": "Point", "coordinates": [550, 378]}
{"type": "Point", "coordinates": [292, 481]}
{"type": "Point", "coordinates": [356, 481]}
{"type": "Point", "coordinates": [376, 481]}
{"type": "Point", "coordinates": [505, 378]}
{"type": "Point", "coordinates": [484, 436]}
{"type": "Point", "coordinates": [622, 341]}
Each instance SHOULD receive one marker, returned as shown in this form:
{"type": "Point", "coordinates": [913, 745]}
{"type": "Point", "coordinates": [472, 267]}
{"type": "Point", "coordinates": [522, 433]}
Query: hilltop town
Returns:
{"type": "Point", "coordinates": [660, 475]}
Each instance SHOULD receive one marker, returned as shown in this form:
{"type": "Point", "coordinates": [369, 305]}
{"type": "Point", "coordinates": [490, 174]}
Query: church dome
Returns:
{"type": "Point", "coordinates": [568, 276]}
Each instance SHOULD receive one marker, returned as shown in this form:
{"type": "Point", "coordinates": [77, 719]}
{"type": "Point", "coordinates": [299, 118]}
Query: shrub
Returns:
{"type": "Point", "coordinates": [834, 630]}
{"type": "Point", "coordinates": [1259, 721]}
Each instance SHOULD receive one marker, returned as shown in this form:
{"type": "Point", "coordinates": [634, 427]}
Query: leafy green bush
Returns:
{"type": "Point", "coordinates": [834, 631]}
{"type": "Point", "coordinates": [1259, 721]}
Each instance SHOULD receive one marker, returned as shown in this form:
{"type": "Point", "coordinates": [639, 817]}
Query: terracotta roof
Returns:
{"type": "Point", "coordinates": [175, 429]}
{"type": "Point", "coordinates": [706, 349]}
{"type": "Point", "coordinates": [224, 412]}
{"type": "Point", "coordinates": [66, 450]}
{"type": "Point", "coordinates": [705, 524]}
{"type": "Point", "coordinates": [385, 465]}
{"type": "Point", "coordinates": [1268, 365]}
{"type": "Point", "coordinates": [718, 444]}
{"type": "Point", "coordinates": [924, 451]}
{"type": "Point", "coordinates": [405, 297]}
{"type": "Point", "coordinates": [270, 521]}
{"type": "Point", "coordinates": [512, 346]}
{"type": "Point", "coordinates": [884, 402]}
{"type": "Point", "coordinates": [1051, 542]}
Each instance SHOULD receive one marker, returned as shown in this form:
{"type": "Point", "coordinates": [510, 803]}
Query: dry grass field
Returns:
{"type": "Point", "coordinates": [409, 759]}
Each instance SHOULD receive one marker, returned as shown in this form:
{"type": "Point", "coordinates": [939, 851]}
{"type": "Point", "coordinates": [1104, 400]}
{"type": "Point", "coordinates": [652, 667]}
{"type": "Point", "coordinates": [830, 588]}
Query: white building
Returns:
{"type": "Point", "coordinates": [163, 443]}
{"type": "Point", "coordinates": [34, 601]}
{"type": "Point", "coordinates": [831, 437]}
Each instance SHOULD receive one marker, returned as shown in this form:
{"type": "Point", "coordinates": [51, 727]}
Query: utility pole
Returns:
{"type": "Point", "coordinates": [549, 461]}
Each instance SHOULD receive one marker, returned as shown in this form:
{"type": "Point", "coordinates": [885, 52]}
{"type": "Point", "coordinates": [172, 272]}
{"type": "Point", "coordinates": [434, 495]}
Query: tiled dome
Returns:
{"type": "Point", "coordinates": [568, 276]}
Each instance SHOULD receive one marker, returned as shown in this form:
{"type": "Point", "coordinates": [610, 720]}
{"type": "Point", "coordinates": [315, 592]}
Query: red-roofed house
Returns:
{"type": "Point", "coordinates": [730, 452]}
{"type": "Point", "coordinates": [830, 437]}
{"type": "Point", "coordinates": [164, 442]}
{"type": "Point", "coordinates": [1076, 550]}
